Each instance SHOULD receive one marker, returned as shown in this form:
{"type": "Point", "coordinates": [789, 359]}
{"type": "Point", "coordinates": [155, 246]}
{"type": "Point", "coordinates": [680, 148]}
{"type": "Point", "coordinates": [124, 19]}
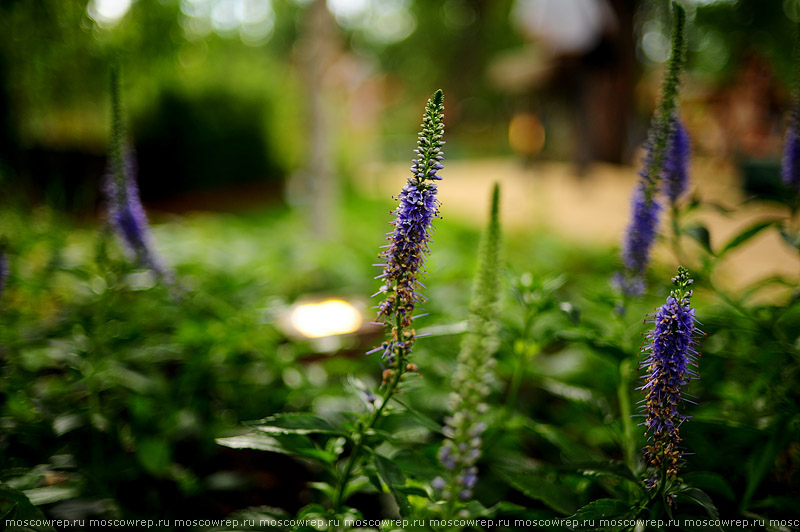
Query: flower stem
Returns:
{"type": "Point", "coordinates": [358, 440]}
{"type": "Point", "coordinates": [623, 395]}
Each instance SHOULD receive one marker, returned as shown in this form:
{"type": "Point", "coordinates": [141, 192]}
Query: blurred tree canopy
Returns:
{"type": "Point", "coordinates": [221, 80]}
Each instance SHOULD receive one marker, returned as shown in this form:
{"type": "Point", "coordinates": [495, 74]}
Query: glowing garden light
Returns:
{"type": "Point", "coordinates": [325, 318]}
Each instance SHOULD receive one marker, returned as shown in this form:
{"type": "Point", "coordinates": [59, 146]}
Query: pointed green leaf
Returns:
{"type": "Point", "coordinates": [289, 444]}
{"type": "Point", "coordinates": [416, 464]}
{"type": "Point", "coordinates": [706, 480]}
{"type": "Point", "coordinates": [15, 505]}
{"type": "Point", "coordinates": [323, 487]}
{"type": "Point", "coordinates": [504, 507]}
{"type": "Point", "coordinates": [256, 515]}
{"type": "Point", "coordinates": [602, 509]}
{"type": "Point", "coordinates": [394, 479]}
{"type": "Point", "coordinates": [420, 418]}
{"type": "Point", "coordinates": [610, 468]}
{"type": "Point", "coordinates": [562, 441]}
{"type": "Point", "coordinates": [537, 486]}
{"type": "Point", "coordinates": [413, 490]}
{"type": "Point", "coordinates": [700, 235]}
{"type": "Point", "coordinates": [792, 239]}
{"type": "Point", "coordinates": [50, 494]}
{"type": "Point", "coordinates": [255, 441]}
{"type": "Point", "coordinates": [745, 235]}
{"type": "Point", "coordinates": [294, 423]}
{"type": "Point", "coordinates": [700, 498]}
{"type": "Point", "coordinates": [720, 208]}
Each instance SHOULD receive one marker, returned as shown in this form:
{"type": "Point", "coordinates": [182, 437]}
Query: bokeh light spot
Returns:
{"type": "Point", "coordinates": [325, 318]}
{"type": "Point", "coordinates": [106, 13]}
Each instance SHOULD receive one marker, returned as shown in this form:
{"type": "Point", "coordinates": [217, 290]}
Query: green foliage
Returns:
{"type": "Point", "coordinates": [112, 391]}
{"type": "Point", "coordinates": [17, 506]}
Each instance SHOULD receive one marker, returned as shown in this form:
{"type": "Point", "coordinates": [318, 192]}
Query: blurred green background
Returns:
{"type": "Point", "coordinates": [226, 93]}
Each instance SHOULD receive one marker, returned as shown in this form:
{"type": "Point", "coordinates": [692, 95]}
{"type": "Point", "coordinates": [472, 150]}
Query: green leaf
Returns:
{"type": "Point", "coordinates": [792, 239]}
{"type": "Point", "coordinates": [252, 440]}
{"type": "Point", "coordinates": [394, 479]}
{"type": "Point", "coordinates": [50, 494]}
{"type": "Point", "coordinates": [289, 444]}
{"type": "Point", "coordinates": [312, 511]}
{"type": "Point", "coordinates": [525, 478]}
{"type": "Point", "coordinates": [416, 464]}
{"type": "Point", "coordinates": [700, 235]}
{"type": "Point", "coordinates": [761, 461]}
{"type": "Point", "coordinates": [719, 207]}
{"type": "Point", "coordinates": [705, 480]}
{"type": "Point", "coordinates": [372, 476]}
{"type": "Point", "coordinates": [610, 468]}
{"type": "Point", "coordinates": [389, 471]}
{"type": "Point", "coordinates": [557, 437]}
{"type": "Point", "coordinates": [700, 498]}
{"type": "Point", "coordinates": [294, 423]}
{"type": "Point", "coordinates": [323, 487]}
{"type": "Point", "coordinates": [746, 235]}
{"type": "Point", "coordinates": [474, 509]}
{"type": "Point", "coordinates": [504, 507]}
{"type": "Point", "coordinates": [369, 483]}
{"type": "Point", "coordinates": [154, 454]}
{"type": "Point", "coordinates": [421, 418]}
{"type": "Point", "coordinates": [413, 490]}
{"type": "Point", "coordinates": [602, 509]}
{"type": "Point", "coordinates": [256, 515]}
{"type": "Point", "coordinates": [15, 505]}
{"type": "Point", "coordinates": [592, 340]}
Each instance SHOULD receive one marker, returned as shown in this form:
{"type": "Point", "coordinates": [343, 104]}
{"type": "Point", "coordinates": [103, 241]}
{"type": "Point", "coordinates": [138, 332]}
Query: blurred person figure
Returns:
{"type": "Point", "coordinates": [586, 50]}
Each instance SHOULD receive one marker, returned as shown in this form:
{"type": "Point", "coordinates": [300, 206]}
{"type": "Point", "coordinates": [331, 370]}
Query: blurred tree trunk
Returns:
{"type": "Point", "coordinates": [316, 189]}
{"type": "Point", "coordinates": [608, 78]}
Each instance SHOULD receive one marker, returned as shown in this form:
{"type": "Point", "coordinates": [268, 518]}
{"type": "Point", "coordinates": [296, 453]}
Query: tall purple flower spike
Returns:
{"type": "Point", "coordinates": [125, 212]}
{"type": "Point", "coordinates": [791, 154]}
{"type": "Point", "coordinates": [643, 228]}
{"type": "Point", "coordinates": [665, 154]}
{"type": "Point", "coordinates": [127, 216]}
{"type": "Point", "coordinates": [3, 269]}
{"type": "Point", "coordinates": [671, 352]}
{"type": "Point", "coordinates": [639, 238]}
{"type": "Point", "coordinates": [405, 254]}
{"type": "Point", "coordinates": [675, 173]}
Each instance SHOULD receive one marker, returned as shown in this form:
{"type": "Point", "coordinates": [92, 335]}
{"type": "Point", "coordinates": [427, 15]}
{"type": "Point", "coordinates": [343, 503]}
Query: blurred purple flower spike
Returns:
{"type": "Point", "coordinates": [791, 154]}
{"type": "Point", "coordinates": [639, 239]}
{"type": "Point", "coordinates": [675, 173]}
{"type": "Point", "coordinates": [126, 216]}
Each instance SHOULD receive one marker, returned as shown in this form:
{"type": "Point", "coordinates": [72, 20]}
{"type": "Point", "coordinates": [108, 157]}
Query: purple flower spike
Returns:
{"type": "Point", "coordinates": [791, 154]}
{"type": "Point", "coordinates": [404, 257]}
{"type": "Point", "coordinates": [671, 353]}
{"type": "Point", "coordinates": [665, 158]}
{"type": "Point", "coordinates": [639, 238]}
{"type": "Point", "coordinates": [3, 269]}
{"type": "Point", "coordinates": [127, 216]}
{"type": "Point", "coordinates": [675, 173]}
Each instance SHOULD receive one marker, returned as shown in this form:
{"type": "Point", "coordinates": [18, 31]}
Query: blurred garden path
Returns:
{"type": "Point", "coordinates": [593, 209]}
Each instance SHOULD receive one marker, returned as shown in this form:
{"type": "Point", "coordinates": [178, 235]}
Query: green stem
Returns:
{"type": "Point", "coordinates": [519, 368]}
{"type": "Point", "coordinates": [623, 395]}
{"type": "Point", "coordinates": [516, 383]}
{"type": "Point", "coordinates": [677, 249]}
{"type": "Point", "coordinates": [359, 438]}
